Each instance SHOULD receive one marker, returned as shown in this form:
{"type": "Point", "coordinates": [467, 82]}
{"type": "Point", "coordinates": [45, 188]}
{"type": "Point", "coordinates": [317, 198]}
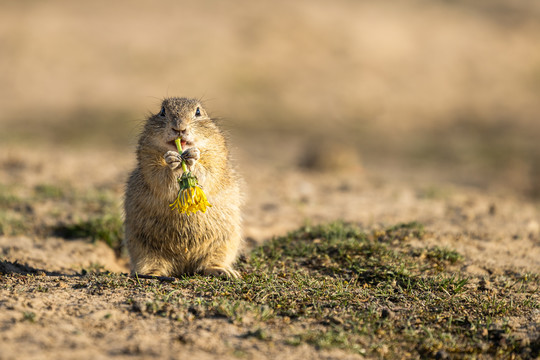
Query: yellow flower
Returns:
{"type": "Point", "coordinates": [190, 200]}
{"type": "Point", "coordinates": [191, 197]}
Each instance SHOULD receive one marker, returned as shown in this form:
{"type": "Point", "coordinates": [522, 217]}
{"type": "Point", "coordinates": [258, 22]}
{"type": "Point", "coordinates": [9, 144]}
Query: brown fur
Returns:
{"type": "Point", "coordinates": [161, 241]}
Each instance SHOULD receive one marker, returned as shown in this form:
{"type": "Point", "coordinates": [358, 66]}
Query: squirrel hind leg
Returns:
{"type": "Point", "coordinates": [151, 269]}
{"type": "Point", "coordinates": [221, 271]}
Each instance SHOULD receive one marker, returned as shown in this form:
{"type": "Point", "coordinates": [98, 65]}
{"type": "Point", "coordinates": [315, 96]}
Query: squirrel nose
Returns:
{"type": "Point", "coordinates": [180, 126]}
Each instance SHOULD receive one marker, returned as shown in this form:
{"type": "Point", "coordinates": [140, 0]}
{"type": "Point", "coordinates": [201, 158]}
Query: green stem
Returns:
{"type": "Point", "coordinates": [179, 147]}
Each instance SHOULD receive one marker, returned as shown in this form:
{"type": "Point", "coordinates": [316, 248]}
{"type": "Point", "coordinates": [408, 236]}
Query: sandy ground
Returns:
{"type": "Point", "coordinates": [495, 233]}
{"type": "Point", "coordinates": [492, 229]}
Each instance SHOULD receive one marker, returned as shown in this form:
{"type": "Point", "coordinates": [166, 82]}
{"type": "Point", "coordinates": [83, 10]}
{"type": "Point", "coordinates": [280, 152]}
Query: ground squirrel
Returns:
{"type": "Point", "coordinates": [163, 242]}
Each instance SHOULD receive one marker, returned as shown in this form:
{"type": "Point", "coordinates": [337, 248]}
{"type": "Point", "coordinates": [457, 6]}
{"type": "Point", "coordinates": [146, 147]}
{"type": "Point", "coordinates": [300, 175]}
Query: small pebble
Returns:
{"type": "Point", "coordinates": [441, 355]}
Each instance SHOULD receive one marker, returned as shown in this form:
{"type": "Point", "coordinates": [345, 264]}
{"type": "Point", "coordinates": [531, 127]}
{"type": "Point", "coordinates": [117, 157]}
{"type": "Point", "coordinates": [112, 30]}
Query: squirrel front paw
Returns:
{"type": "Point", "coordinates": [173, 159]}
{"type": "Point", "coordinates": [190, 156]}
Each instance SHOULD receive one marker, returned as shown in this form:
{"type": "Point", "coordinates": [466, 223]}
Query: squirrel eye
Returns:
{"type": "Point", "coordinates": [162, 112]}
{"type": "Point", "coordinates": [198, 112]}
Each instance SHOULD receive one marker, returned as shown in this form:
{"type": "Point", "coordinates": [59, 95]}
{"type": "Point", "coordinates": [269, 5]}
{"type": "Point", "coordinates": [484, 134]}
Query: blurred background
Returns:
{"type": "Point", "coordinates": [415, 89]}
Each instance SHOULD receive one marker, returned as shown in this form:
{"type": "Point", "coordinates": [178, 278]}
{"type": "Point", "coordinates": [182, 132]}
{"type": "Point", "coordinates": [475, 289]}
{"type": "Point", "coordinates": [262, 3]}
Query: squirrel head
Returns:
{"type": "Point", "coordinates": [179, 118]}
